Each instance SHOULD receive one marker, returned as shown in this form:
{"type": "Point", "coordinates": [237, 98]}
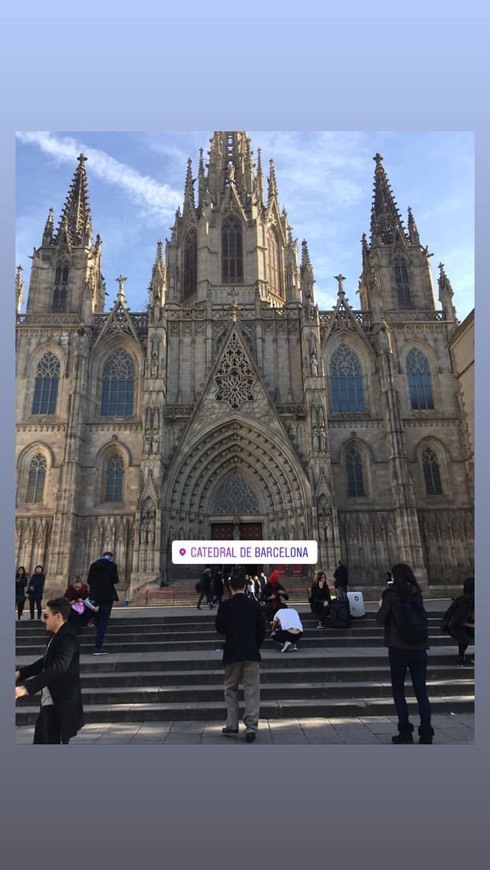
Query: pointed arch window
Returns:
{"type": "Point", "coordinates": [60, 289]}
{"type": "Point", "coordinates": [402, 283]}
{"type": "Point", "coordinates": [46, 386]}
{"type": "Point", "coordinates": [419, 381]}
{"type": "Point", "coordinates": [274, 263]}
{"type": "Point", "coordinates": [235, 497]}
{"type": "Point", "coordinates": [118, 385]}
{"type": "Point", "coordinates": [36, 479]}
{"type": "Point", "coordinates": [432, 472]}
{"type": "Point", "coordinates": [231, 250]}
{"type": "Point", "coordinates": [190, 262]}
{"type": "Point", "coordinates": [355, 477]}
{"type": "Point", "coordinates": [347, 393]}
{"type": "Point", "coordinates": [114, 479]}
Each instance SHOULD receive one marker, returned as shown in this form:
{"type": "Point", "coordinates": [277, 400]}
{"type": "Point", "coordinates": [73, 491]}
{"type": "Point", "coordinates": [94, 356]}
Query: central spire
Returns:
{"type": "Point", "coordinates": [230, 163]}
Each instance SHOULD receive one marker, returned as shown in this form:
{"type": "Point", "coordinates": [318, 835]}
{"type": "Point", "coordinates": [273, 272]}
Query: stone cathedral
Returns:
{"type": "Point", "coordinates": [233, 407]}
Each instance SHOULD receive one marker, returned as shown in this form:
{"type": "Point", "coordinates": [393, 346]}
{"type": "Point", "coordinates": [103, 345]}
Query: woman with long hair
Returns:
{"type": "Point", "coordinates": [405, 632]}
{"type": "Point", "coordinates": [319, 598]}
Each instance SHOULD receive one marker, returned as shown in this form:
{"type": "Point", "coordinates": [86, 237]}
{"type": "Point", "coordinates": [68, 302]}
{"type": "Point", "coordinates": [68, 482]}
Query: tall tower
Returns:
{"type": "Point", "coordinates": [65, 274]}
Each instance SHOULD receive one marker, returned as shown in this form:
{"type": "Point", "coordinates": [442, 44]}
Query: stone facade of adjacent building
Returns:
{"type": "Point", "coordinates": [234, 407]}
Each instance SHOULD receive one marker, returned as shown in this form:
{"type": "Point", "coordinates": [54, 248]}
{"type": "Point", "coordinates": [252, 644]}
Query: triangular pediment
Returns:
{"type": "Point", "coordinates": [235, 388]}
{"type": "Point", "coordinates": [118, 322]}
{"type": "Point", "coordinates": [231, 203]}
{"type": "Point", "coordinates": [344, 320]}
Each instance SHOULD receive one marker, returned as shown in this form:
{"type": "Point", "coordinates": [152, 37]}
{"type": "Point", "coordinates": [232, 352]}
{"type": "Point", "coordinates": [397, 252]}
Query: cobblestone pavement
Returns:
{"type": "Point", "coordinates": [374, 730]}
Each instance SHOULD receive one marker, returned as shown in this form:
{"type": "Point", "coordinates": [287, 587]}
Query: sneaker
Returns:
{"type": "Point", "coordinates": [294, 648]}
{"type": "Point", "coordinates": [286, 646]}
{"type": "Point", "coordinates": [228, 731]}
{"type": "Point", "coordinates": [320, 625]}
{"type": "Point", "coordinates": [101, 652]}
{"type": "Point", "coordinates": [250, 736]}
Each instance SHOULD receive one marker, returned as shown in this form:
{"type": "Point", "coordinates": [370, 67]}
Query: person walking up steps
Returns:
{"type": "Point", "coordinates": [101, 581]}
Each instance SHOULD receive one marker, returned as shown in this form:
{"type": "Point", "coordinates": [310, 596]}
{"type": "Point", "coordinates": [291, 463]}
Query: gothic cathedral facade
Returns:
{"type": "Point", "coordinates": [234, 407]}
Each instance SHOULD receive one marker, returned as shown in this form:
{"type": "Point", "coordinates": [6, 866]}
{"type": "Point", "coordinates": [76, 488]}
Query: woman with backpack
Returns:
{"type": "Point", "coordinates": [405, 633]}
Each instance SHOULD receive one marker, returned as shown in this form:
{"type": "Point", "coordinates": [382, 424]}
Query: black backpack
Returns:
{"type": "Point", "coordinates": [413, 625]}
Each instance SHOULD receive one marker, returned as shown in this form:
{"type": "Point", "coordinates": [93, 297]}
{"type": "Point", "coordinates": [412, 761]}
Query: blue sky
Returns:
{"type": "Point", "coordinates": [325, 180]}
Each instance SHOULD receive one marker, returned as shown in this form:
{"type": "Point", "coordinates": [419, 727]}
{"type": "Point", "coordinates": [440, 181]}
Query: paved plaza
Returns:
{"type": "Point", "coordinates": [375, 731]}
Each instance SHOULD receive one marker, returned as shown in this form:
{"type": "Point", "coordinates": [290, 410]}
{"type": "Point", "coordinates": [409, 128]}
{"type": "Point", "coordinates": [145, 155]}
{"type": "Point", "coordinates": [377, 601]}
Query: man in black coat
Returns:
{"type": "Point", "coordinates": [341, 579]}
{"type": "Point", "coordinates": [57, 676]}
{"type": "Point", "coordinates": [240, 619]}
{"type": "Point", "coordinates": [101, 581]}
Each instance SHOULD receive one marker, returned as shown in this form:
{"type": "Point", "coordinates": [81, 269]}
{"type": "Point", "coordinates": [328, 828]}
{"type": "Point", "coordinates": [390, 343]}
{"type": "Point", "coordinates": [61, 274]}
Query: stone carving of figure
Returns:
{"type": "Point", "coordinates": [154, 362]}
{"type": "Point", "coordinates": [314, 364]}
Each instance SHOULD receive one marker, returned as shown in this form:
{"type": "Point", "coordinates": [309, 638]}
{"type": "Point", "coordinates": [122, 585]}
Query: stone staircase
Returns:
{"type": "Point", "coordinates": [168, 667]}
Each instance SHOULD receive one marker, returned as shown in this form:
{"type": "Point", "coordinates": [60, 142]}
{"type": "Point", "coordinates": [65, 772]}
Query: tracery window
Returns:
{"type": "Point", "coordinates": [235, 497]}
{"type": "Point", "coordinates": [274, 263]}
{"type": "Point", "coordinates": [60, 289]}
{"type": "Point", "coordinates": [432, 473]}
{"type": "Point", "coordinates": [235, 378]}
{"type": "Point", "coordinates": [355, 478]}
{"type": "Point", "coordinates": [190, 262]}
{"type": "Point", "coordinates": [46, 385]}
{"type": "Point", "coordinates": [419, 382]}
{"type": "Point", "coordinates": [347, 392]}
{"type": "Point", "coordinates": [402, 283]}
{"type": "Point", "coordinates": [114, 479]}
{"type": "Point", "coordinates": [36, 478]}
{"type": "Point", "coordinates": [118, 385]}
{"type": "Point", "coordinates": [231, 250]}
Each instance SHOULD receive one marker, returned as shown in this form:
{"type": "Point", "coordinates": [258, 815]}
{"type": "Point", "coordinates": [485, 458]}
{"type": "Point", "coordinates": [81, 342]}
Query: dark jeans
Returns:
{"type": "Point", "coordinates": [207, 595]}
{"type": "Point", "coordinates": [20, 606]}
{"type": "Point", "coordinates": [281, 636]}
{"type": "Point", "coordinates": [464, 636]}
{"type": "Point", "coordinates": [101, 620]}
{"type": "Point", "coordinates": [47, 729]}
{"type": "Point", "coordinates": [322, 612]}
{"type": "Point", "coordinates": [415, 660]}
{"type": "Point", "coordinates": [32, 602]}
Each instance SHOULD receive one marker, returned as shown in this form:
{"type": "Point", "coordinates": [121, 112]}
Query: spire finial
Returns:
{"type": "Point", "coordinates": [378, 160]}
{"type": "Point", "coordinates": [121, 280]}
{"type": "Point", "coordinates": [340, 280]}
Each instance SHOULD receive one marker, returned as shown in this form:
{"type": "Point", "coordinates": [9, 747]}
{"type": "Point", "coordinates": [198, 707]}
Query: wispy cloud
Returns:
{"type": "Point", "coordinates": [156, 200]}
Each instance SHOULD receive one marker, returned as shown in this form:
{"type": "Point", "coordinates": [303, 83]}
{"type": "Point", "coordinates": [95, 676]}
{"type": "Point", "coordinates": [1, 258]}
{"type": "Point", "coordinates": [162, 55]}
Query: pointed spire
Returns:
{"type": "Point", "coordinates": [19, 289]}
{"type": "Point", "coordinates": [76, 217]}
{"type": "Point", "coordinates": [202, 178]}
{"type": "Point", "coordinates": [48, 229]}
{"type": "Point", "coordinates": [386, 222]}
{"type": "Point", "coordinates": [413, 232]}
{"type": "Point", "coordinates": [189, 186]}
{"type": "Point", "coordinates": [306, 273]}
{"type": "Point", "coordinates": [446, 294]}
{"type": "Point", "coordinates": [158, 278]}
{"type": "Point", "coordinates": [230, 165]}
{"type": "Point", "coordinates": [260, 177]}
{"type": "Point", "coordinates": [272, 191]}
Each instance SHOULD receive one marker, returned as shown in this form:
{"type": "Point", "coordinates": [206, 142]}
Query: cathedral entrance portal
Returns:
{"type": "Point", "coordinates": [235, 531]}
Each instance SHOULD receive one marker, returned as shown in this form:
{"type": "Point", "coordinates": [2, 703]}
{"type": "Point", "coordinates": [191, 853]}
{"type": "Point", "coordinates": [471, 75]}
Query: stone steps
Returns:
{"type": "Point", "coordinates": [168, 667]}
